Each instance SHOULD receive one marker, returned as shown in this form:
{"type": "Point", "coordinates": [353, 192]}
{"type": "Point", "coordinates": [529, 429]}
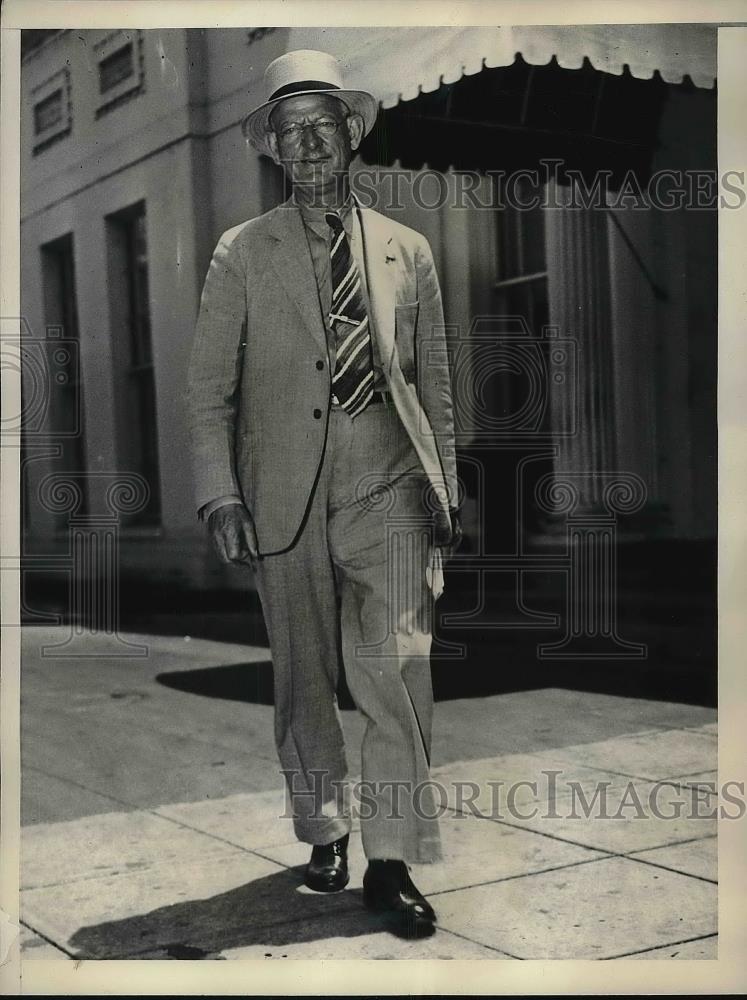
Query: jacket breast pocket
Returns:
{"type": "Point", "coordinates": [405, 325]}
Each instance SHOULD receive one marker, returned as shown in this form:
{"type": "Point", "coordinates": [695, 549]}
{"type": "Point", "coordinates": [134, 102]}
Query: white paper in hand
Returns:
{"type": "Point", "coordinates": [434, 574]}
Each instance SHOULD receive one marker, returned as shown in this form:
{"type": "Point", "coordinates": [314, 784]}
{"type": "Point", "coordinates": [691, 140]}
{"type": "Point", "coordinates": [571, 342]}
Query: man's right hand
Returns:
{"type": "Point", "coordinates": [232, 532]}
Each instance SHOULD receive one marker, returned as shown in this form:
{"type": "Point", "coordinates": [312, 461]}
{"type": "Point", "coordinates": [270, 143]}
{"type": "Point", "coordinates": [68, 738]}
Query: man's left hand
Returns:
{"type": "Point", "coordinates": [448, 535]}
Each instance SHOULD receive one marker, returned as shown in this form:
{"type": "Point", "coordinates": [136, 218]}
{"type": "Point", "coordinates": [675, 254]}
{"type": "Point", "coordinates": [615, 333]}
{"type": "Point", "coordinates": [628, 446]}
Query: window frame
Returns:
{"type": "Point", "coordinates": [59, 81]}
{"type": "Point", "coordinates": [133, 360]}
{"type": "Point", "coordinates": [62, 324]}
{"type": "Point", "coordinates": [129, 86]}
{"type": "Point", "coordinates": [529, 279]}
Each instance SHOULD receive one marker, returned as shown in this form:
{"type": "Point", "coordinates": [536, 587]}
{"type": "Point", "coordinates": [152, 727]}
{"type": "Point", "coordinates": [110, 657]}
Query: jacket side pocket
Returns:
{"type": "Point", "coordinates": [405, 324]}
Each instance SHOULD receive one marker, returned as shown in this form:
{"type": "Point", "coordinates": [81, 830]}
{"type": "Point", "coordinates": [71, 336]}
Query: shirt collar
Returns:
{"type": "Point", "coordinates": [313, 217]}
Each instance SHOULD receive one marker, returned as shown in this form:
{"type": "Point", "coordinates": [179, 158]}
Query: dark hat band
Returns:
{"type": "Point", "coordinates": [302, 86]}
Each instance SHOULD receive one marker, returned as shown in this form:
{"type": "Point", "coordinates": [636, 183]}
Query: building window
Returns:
{"type": "Point", "coordinates": [520, 288]}
{"type": "Point", "coordinates": [115, 68]}
{"type": "Point", "coordinates": [520, 311]}
{"type": "Point", "coordinates": [62, 361]}
{"type": "Point", "coordinates": [121, 70]}
{"type": "Point", "coordinates": [51, 111]}
{"type": "Point", "coordinates": [48, 112]}
{"type": "Point", "coordinates": [132, 354]}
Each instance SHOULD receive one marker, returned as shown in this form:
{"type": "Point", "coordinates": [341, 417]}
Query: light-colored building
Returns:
{"type": "Point", "coordinates": [133, 163]}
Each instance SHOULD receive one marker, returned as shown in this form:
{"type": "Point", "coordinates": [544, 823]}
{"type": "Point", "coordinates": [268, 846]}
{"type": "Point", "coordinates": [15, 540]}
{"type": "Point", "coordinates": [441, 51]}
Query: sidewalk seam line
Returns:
{"type": "Point", "coordinates": [463, 937]}
{"type": "Point", "coordinates": [512, 878]}
{"type": "Point", "coordinates": [660, 947]}
{"type": "Point", "coordinates": [549, 836]}
{"type": "Point", "coordinates": [77, 784]}
{"type": "Point", "coordinates": [148, 866]}
{"type": "Point", "coordinates": [634, 777]}
{"type": "Point", "coordinates": [49, 940]}
{"type": "Point", "coordinates": [265, 857]}
{"type": "Point", "coordinates": [572, 763]}
{"type": "Point", "coordinates": [672, 843]}
{"type": "Point", "coordinates": [151, 810]}
{"type": "Point", "coordinates": [694, 729]}
{"type": "Point", "coordinates": [668, 868]}
{"type": "Point", "coordinates": [604, 850]}
{"type": "Point", "coordinates": [676, 843]}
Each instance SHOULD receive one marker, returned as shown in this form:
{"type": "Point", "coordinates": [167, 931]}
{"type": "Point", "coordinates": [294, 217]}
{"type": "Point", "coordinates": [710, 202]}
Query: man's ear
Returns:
{"type": "Point", "coordinates": [272, 142]}
{"type": "Point", "coordinates": [355, 130]}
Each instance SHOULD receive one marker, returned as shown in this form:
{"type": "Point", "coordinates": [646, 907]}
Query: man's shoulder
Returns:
{"type": "Point", "coordinates": [249, 230]}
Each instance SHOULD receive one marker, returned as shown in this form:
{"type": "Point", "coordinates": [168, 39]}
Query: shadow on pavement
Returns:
{"type": "Point", "coordinates": [665, 601]}
{"type": "Point", "coordinates": [495, 666]}
{"type": "Point", "coordinates": [200, 928]}
{"type": "Point", "coordinates": [249, 682]}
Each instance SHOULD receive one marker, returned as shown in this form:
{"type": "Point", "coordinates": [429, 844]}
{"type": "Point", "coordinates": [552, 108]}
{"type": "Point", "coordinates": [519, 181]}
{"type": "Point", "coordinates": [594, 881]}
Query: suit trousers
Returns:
{"type": "Point", "coordinates": [353, 590]}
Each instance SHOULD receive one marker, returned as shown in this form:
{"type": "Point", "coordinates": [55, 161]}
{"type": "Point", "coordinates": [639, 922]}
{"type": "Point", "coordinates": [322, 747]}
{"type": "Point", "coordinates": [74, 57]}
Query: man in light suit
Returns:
{"type": "Point", "coordinates": [323, 444]}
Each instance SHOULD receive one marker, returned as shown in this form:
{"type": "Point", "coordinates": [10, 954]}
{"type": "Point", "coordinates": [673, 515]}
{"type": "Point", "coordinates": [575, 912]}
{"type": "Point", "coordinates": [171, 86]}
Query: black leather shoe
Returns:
{"type": "Point", "coordinates": [389, 891]}
{"type": "Point", "coordinates": [328, 869]}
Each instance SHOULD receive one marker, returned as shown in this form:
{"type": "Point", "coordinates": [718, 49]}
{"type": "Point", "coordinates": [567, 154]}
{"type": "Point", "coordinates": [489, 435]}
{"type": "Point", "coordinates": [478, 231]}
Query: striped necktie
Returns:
{"type": "Point", "coordinates": [353, 377]}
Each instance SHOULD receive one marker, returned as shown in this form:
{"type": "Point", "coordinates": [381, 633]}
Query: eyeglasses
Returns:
{"type": "Point", "coordinates": [293, 130]}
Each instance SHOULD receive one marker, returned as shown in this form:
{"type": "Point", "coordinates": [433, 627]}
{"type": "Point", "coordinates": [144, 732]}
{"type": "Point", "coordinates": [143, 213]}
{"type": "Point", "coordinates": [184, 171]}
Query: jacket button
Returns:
{"type": "Point", "coordinates": [317, 414]}
{"type": "Point", "coordinates": [319, 366]}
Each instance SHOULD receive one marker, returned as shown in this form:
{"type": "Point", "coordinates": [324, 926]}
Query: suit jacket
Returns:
{"type": "Point", "coordinates": [259, 377]}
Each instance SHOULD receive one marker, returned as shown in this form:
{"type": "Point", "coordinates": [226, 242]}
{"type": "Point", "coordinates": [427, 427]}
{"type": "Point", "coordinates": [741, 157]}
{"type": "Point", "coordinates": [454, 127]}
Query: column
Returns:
{"type": "Point", "coordinates": [579, 291]}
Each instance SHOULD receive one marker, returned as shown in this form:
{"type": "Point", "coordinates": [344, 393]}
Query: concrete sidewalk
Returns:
{"type": "Point", "coordinates": [134, 868]}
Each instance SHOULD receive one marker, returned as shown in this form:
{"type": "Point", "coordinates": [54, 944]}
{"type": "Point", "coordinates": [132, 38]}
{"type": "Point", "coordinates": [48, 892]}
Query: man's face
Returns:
{"type": "Point", "coordinates": [314, 158]}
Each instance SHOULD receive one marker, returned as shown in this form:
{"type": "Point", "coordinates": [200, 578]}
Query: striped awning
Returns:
{"type": "Point", "coordinates": [398, 64]}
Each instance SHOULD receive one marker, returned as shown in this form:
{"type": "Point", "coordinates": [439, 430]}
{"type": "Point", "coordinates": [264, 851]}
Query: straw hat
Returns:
{"type": "Point", "coordinates": [304, 71]}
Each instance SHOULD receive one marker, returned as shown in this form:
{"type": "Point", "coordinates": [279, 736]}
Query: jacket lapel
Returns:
{"type": "Point", "coordinates": [292, 262]}
{"type": "Point", "coordinates": [381, 257]}
{"type": "Point", "coordinates": [380, 275]}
